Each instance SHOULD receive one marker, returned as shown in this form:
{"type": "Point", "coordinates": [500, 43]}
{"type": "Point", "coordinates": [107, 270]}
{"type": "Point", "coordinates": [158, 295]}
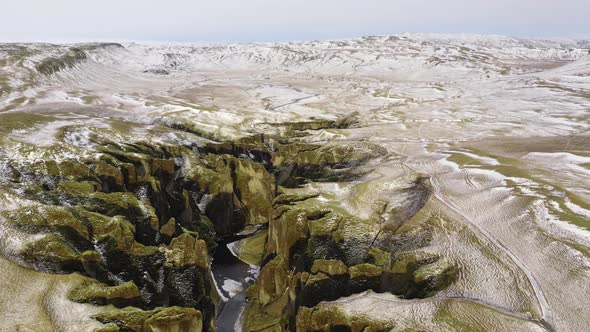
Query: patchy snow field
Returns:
{"type": "Point", "coordinates": [501, 126]}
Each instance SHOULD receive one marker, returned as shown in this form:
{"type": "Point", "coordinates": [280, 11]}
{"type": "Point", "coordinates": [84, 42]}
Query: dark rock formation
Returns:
{"type": "Point", "coordinates": [141, 221]}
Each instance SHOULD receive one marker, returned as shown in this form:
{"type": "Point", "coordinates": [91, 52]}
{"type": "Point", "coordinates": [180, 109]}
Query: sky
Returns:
{"type": "Point", "coordinates": [282, 20]}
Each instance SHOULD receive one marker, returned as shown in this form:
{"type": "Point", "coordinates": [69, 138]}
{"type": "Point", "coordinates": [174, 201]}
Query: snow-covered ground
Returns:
{"type": "Point", "coordinates": [502, 126]}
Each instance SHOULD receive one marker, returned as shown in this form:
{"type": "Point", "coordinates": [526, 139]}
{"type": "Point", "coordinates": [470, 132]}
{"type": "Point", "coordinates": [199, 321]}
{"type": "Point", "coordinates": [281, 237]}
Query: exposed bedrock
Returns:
{"type": "Point", "coordinates": [316, 255]}
{"type": "Point", "coordinates": [141, 222]}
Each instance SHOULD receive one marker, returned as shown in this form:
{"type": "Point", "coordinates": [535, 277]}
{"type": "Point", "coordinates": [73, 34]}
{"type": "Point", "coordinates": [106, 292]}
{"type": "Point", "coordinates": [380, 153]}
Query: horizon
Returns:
{"type": "Point", "coordinates": [434, 35]}
{"type": "Point", "coordinates": [233, 21]}
{"type": "Point", "coordinates": [290, 165]}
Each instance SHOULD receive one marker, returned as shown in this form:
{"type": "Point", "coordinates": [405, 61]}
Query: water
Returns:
{"type": "Point", "coordinates": [232, 277]}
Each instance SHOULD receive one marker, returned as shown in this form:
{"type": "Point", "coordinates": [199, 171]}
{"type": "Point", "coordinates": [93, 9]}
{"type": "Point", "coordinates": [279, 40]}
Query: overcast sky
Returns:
{"type": "Point", "coordinates": [280, 20]}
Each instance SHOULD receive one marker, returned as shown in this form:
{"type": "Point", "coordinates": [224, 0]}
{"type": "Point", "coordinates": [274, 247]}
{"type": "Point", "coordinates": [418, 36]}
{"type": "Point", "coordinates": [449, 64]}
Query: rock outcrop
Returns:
{"type": "Point", "coordinates": [141, 221]}
{"type": "Point", "coordinates": [320, 254]}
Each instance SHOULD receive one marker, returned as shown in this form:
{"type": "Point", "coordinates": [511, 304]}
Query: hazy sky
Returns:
{"type": "Point", "coordinates": [271, 20]}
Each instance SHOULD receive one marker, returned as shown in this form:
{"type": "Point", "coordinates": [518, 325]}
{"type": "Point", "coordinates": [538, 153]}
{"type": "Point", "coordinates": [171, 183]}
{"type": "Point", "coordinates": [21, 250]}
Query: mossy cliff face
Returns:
{"type": "Point", "coordinates": [327, 319]}
{"type": "Point", "coordinates": [238, 192]}
{"type": "Point", "coordinates": [141, 221]}
{"type": "Point", "coordinates": [316, 253]}
{"type": "Point", "coordinates": [298, 163]}
{"type": "Point", "coordinates": [157, 320]}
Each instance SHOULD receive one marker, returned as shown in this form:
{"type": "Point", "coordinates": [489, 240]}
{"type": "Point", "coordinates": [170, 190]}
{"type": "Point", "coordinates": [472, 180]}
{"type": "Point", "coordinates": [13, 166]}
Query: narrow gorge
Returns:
{"type": "Point", "coordinates": [140, 221]}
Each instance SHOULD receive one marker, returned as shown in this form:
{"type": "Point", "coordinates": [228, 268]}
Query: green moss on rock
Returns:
{"type": "Point", "coordinates": [272, 281]}
{"type": "Point", "coordinates": [407, 262]}
{"type": "Point", "coordinates": [83, 188]}
{"type": "Point", "coordinates": [330, 318]}
{"type": "Point", "coordinates": [185, 250]}
{"type": "Point", "coordinates": [379, 257]}
{"type": "Point", "coordinates": [330, 267]}
{"type": "Point", "coordinates": [321, 287]}
{"type": "Point", "coordinates": [434, 277]}
{"type": "Point", "coordinates": [52, 253]}
{"type": "Point", "coordinates": [325, 227]}
{"type": "Point", "coordinates": [299, 162]}
{"type": "Point", "coordinates": [98, 293]}
{"type": "Point", "coordinates": [112, 204]}
{"type": "Point", "coordinates": [110, 327]}
{"type": "Point", "coordinates": [47, 218]}
{"type": "Point", "coordinates": [289, 199]}
{"type": "Point", "coordinates": [256, 319]}
{"type": "Point", "coordinates": [71, 170]}
{"type": "Point", "coordinates": [255, 187]}
{"type": "Point", "coordinates": [251, 249]}
{"type": "Point", "coordinates": [109, 172]}
{"type": "Point", "coordinates": [118, 230]}
{"type": "Point", "coordinates": [169, 229]}
{"type": "Point", "coordinates": [175, 319]}
{"type": "Point", "coordinates": [420, 274]}
{"type": "Point", "coordinates": [287, 231]}
{"type": "Point", "coordinates": [158, 320]}
{"type": "Point", "coordinates": [162, 166]}
{"type": "Point", "coordinates": [365, 276]}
